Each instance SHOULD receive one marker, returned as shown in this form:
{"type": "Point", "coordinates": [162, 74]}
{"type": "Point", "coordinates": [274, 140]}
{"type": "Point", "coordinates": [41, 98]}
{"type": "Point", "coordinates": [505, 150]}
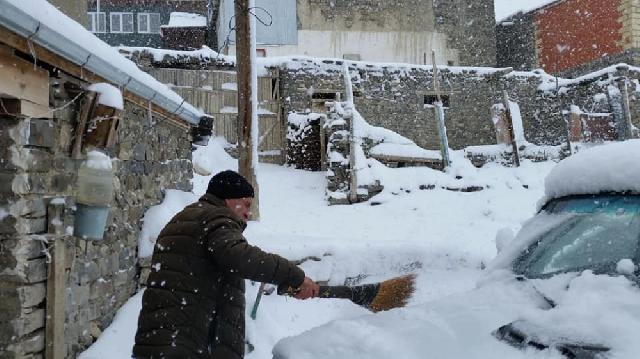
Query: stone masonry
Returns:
{"type": "Point", "coordinates": [37, 172]}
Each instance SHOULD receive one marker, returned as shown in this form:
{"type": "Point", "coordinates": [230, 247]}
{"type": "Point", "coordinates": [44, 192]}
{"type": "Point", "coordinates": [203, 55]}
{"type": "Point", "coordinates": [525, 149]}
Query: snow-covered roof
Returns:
{"type": "Point", "coordinates": [613, 167]}
{"type": "Point", "coordinates": [48, 27]}
{"type": "Point", "coordinates": [186, 19]}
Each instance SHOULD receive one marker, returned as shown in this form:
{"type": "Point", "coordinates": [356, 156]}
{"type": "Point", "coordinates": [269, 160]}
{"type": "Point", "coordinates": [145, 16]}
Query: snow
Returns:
{"type": "Point", "coordinates": [443, 236]}
{"type": "Point", "coordinates": [158, 216]}
{"type": "Point", "coordinates": [506, 8]}
{"type": "Point", "coordinates": [606, 168]}
{"type": "Point", "coordinates": [117, 340]}
{"type": "Point", "coordinates": [626, 267]}
{"type": "Point", "coordinates": [3, 213]}
{"type": "Point", "coordinates": [109, 95]}
{"type": "Point", "coordinates": [230, 86]}
{"type": "Point", "coordinates": [516, 119]}
{"type": "Point", "coordinates": [404, 150]}
{"type": "Point", "coordinates": [48, 15]}
{"type": "Point", "coordinates": [98, 160]}
{"type": "Point", "coordinates": [186, 19]}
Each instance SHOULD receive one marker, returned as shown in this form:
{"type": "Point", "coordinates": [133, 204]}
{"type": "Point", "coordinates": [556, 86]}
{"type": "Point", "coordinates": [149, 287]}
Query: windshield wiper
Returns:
{"type": "Point", "coordinates": [550, 302]}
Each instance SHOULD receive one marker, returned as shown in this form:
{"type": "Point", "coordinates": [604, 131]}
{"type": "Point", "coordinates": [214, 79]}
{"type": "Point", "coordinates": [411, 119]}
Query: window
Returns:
{"type": "Point", "coordinates": [148, 23]}
{"type": "Point", "coordinates": [121, 22]}
{"type": "Point", "coordinates": [93, 22]}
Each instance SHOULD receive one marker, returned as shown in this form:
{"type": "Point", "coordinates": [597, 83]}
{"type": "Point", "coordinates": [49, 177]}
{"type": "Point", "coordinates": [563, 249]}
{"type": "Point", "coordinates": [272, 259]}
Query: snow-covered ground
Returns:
{"type": "Point", "coordinates": [445, 237]}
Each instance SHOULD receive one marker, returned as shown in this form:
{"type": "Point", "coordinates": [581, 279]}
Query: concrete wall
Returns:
{"type": "Point", "coordinates": [75, 9]}
{"type": "Point", "coordinates": [394, 31]}
{"type": "Point", "coordinates": [150, 157]}
{"type": "Point", "coordinates": [470, 26]}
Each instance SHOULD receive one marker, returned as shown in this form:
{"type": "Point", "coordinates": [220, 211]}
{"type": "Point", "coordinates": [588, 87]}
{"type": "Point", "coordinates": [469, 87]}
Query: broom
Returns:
{"type": "Point", "coordinates": [392, 293]}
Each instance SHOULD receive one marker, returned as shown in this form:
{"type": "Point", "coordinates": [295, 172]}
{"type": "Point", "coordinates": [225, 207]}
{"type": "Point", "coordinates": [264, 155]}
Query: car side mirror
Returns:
{"type": "Point", "coordinates": [504, 236]}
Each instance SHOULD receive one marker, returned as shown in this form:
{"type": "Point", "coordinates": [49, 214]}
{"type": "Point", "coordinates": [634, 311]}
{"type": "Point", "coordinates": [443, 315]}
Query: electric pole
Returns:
{"type": "Point", "coordinates": [247, 98]}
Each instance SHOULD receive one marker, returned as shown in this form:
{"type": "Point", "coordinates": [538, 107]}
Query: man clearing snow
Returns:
{"type": "Point", "coordinates": [194, 303]}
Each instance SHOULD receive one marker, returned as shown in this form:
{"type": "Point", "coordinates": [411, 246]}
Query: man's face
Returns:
{"type": "Point", "coordinates": [240, 206]}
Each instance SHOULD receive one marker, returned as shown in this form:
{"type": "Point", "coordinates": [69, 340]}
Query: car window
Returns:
{"type": "Point", "coordinates": [603, 231]}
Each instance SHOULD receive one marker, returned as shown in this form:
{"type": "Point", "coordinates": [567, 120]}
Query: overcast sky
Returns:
{"type": "Point", "coordinates": [505, 8]}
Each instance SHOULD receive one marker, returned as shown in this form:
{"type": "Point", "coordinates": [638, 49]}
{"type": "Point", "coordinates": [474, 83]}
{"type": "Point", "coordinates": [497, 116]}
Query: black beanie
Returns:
{"type": "Point", "coordinates": [229, 185]}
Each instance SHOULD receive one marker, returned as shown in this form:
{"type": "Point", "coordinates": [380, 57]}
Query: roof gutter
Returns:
{"type": "Point", "coordinates": [25, 25]}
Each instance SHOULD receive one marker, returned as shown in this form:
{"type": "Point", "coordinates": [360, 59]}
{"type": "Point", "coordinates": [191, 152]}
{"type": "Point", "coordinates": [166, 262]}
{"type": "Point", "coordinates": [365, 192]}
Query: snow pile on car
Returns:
{"type": "Point", "coordinates": [592, 309]}
{"type": "Point", "coordinates": [612, 167]}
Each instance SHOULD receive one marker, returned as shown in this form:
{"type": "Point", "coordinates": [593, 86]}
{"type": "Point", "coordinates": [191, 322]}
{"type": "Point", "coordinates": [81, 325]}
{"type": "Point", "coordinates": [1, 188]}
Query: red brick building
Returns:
{"type": "Point", "coordinates": [571, 36]}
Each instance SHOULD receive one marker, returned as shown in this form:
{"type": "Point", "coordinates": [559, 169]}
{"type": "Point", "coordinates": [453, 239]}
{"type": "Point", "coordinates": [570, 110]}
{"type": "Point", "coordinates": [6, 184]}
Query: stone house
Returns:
{"type": "Point", "coordinates": [138, 22]}
{"type": "Point", "coordinates": [460, 31]}
{"type": "Point", "coordinates": [58, 288]}
{"type": "Point", "coordinates": [570, 37]}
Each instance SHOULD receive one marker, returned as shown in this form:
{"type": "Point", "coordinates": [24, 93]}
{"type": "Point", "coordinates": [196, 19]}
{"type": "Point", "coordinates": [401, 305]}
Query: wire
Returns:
{"type": "Point", "coordinates": [232, 28]}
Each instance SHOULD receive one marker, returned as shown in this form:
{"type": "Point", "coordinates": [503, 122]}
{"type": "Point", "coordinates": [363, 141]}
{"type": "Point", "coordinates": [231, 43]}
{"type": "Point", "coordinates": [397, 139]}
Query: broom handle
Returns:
{"type": "Point", "coordinates": [361, 294]}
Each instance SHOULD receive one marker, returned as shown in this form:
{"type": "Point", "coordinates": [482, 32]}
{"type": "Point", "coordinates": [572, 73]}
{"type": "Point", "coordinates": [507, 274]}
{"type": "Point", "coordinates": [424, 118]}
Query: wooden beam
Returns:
{"type": "Point", "coordinates": [56, 287]}
{"type": "Point", "coordinates": [43, 55]}
{"type": "Point", "coordinates": [88, 103]}
{"type": "Point", "coordinates": [22, 81]}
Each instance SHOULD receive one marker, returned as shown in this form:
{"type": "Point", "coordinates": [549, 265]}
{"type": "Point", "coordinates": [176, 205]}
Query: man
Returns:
{"type": "Point", "coordinates": [194, 305]}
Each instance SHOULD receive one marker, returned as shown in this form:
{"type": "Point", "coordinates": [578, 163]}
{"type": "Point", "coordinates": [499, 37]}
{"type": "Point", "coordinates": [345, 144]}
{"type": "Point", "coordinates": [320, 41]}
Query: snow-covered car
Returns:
{"type": "Point", "coordinates": [565, 287]}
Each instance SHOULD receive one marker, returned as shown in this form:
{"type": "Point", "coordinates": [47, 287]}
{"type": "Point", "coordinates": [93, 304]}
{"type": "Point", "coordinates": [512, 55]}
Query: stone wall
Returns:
{"type": "Point", "coordinates": [470, 27]}
{"type": "Point", "coordinates": [37, 171]}
{"type": "Point", "coordinates": [516, 42]}
{"type": "Point", "coordinates": [397, 98]}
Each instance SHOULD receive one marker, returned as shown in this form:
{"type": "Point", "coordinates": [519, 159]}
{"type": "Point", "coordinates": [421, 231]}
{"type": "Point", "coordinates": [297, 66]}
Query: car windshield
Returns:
{"type": "Point", "coordinates": [600, 231]}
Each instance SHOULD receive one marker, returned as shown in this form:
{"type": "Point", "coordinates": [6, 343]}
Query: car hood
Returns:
{"type": "Point", "coordinates": [592, 309]}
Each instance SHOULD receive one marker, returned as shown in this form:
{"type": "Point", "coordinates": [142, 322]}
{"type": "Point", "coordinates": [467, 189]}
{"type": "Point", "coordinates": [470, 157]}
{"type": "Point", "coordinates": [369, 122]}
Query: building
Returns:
{"type": "Point", "coordinates": [460, 31]}
{"type": "Point", "coordinates": [139, 22]}
{"type": "Point", "coordinates": [59, 288]}
{"type": "Point", "coordinates": [571, 37]}
{"type": "Point", "coordinates": [75, 9]}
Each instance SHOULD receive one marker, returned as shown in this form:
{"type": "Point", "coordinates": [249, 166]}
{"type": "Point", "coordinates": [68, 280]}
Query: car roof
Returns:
{"type": "Point", "coordinates": [606, 168]}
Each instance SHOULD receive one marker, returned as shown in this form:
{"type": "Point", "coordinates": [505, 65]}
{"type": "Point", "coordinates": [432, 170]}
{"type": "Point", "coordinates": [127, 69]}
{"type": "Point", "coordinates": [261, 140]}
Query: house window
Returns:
{"type": "Point", "coordinates": [93, 22]}
{"type": "Point", "coordinates": [430, 100]}
{"type": "Point", "coordinates": [121, 22]}
{"type": "Point", "coordinates": [149, 23]}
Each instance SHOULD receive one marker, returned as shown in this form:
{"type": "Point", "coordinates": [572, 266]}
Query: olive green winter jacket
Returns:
{"type": "Point", "coordinates": [194, 304]}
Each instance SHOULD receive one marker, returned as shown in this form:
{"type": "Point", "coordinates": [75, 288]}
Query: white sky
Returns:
{"type": "Point", "coordinates": [505, 8]}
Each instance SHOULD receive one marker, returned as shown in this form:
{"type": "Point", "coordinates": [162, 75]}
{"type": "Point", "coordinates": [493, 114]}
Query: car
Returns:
{"type": "Point", "coordinates": [566, 286]}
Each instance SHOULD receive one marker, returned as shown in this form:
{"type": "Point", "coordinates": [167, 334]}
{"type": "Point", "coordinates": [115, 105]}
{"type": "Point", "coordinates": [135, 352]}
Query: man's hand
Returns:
{"type": "Point", "coordinates": [308, 289]}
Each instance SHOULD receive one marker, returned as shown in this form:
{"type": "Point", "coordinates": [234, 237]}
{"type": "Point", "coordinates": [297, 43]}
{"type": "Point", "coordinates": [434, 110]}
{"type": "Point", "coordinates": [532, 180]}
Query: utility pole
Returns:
{"type": "Point", "coordinates": [247, 99]}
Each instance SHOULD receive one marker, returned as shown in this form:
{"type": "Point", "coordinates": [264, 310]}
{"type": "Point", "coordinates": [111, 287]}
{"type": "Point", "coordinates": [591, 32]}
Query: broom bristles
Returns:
{"type": "Point", "coordinates": [394, 293]}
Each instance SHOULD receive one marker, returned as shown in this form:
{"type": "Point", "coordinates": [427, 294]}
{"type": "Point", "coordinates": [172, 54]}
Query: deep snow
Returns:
{"type": "Point", "coordinates": [443, 236]}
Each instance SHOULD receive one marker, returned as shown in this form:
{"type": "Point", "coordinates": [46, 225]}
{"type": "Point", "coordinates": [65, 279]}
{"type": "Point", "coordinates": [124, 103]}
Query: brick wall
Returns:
{"type": "Point", "coordinates": [575, 32]}
{"type": "Point", "coordinates": [36, 168]}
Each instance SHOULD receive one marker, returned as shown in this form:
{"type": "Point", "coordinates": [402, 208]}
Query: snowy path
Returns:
{"type": "Point", "coordinates": [442, 236]}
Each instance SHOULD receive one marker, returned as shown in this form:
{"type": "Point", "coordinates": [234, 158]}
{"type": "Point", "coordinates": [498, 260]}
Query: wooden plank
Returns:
{"type": "Point", "coordinates": [55, 347]}
{"type": "Point", "coordinates": [26, 108]}
{"type": "Point", "coordinates": [43, 55]}
{"type": "Point", "coordinates": [54, 335]}
{"type": "Point", "coordinates": [86, 110]}
{"type": "Point", "coordinates": [22, 81]}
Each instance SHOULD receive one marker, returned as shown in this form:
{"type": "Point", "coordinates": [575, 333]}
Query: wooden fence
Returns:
{"type": "Point", "coordinates": [215, 92]}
